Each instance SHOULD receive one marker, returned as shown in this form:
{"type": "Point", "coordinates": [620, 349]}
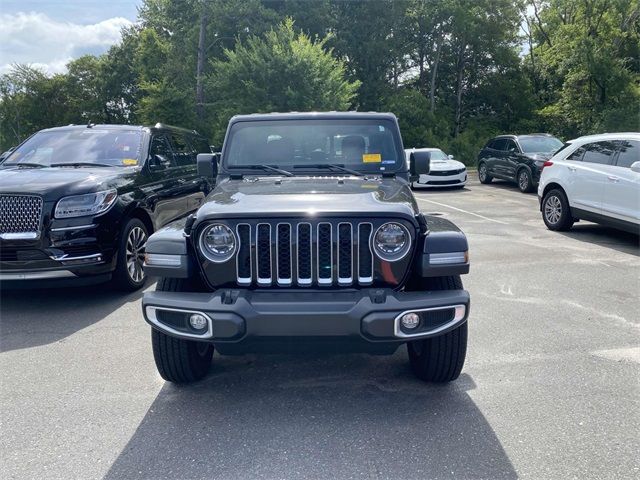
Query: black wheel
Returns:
{"type": "Point", "coordinates": [525, 184]}
{"type": "Point", "coordinates": [440, 359]}
{"type": "Point", "coordinates": [556, 212]}
{"type": "Point", "coordinates": [483, 174]}
{"type": "Point", "coordinates": [179, 360]}
{"type": "Point", "coordinates": [129, 274]}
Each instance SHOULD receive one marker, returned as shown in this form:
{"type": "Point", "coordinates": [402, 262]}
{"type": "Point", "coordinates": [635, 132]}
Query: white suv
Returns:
{"type": "Point", "coordinates": [595, 178]}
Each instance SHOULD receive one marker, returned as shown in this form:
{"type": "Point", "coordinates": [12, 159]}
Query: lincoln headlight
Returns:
{"type": "Point", "coordinates": [217, 243]}
{"type": "Point", "coordinates": [391, 241]}
{"type": "Point", "coordinates": [83, 205]}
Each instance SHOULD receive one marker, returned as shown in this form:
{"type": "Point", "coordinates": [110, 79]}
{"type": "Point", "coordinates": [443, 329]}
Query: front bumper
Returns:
{"type": "Point", "coordinates": [245, 321]}
{"type": "Point", "coordinates": [439, 181]}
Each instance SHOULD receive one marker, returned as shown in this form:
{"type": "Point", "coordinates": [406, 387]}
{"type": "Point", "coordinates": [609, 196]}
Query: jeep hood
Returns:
{"type": "Point", "coordinates": [309, 196]}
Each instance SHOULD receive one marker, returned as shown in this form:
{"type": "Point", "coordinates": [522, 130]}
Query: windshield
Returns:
{"type": "Point", "coordinates": [539, 144]}
{"type": "Point", "coordinates": [358, 144]}
{"type": "Point", "coordinates": [438, 155]}
{"type": "Point", "coordinates": [85, 146]}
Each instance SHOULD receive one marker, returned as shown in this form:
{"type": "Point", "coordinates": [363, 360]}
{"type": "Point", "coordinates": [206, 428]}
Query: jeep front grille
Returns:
{"type": "Point", "coordinates": [304, 254]}
{"type": "Point", "coordinates": [20, 214]}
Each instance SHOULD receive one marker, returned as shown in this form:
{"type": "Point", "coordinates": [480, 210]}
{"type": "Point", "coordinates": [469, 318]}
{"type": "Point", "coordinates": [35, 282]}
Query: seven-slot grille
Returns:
{"type": "Point", "coordinates": [304, 254]}
{"type": "Point", "coordinates": [20, 213]}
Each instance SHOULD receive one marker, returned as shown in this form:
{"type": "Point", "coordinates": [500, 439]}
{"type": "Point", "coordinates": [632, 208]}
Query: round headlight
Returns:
{"type": "Point", "coordinates": [217, 243]}
{"type": "Point", "coordinates": [391, 241]}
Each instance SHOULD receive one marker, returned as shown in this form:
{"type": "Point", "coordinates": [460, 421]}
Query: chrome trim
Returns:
{"type": "Point", "coordinates": [207, 254]}
{"type": "Point", "coordinates": [324, 281]}
{"type": "Point", "coordinates": [37, 275]}
{"type": "Point", "coordinates": [307, 280]}
{"type": "Point", "coordinates": [242, 280]}
{"type": "Point", "coordinates": [77, 227]}
{"type": "Point", "coordinates": [460, 312]}
{"type": "Point", "coordinates": [284, 281]}
{"type": "Point", "coordinates": [64, 257]}
{"type": "Point", "coordinates": [263, 281]}
{"type": "Point", "coordinates": [20, 235]}
{"type": "Point", "coordinates": [344, 281]}
{"type": "Point", "coordinates": [449, 258]}
{"type": "Point", "coordinates": [365, 280]}
{"type": "Point", "coordinates": [150, 313]}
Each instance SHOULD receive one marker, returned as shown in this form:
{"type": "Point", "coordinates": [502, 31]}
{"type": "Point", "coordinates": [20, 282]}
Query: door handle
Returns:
{"type": "Point", "coordinates": [573, 169]}
{"type": "Point", "coordinates": [613, 178]}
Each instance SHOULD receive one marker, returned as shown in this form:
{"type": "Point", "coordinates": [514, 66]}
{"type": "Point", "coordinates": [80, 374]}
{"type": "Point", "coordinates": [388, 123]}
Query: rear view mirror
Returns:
{"type": "Point", "coordinates": [635, 167]}
{"type": "Point", "coordinates": [419, 164]}
{"type": "Point", "coordinates": [208, 164]}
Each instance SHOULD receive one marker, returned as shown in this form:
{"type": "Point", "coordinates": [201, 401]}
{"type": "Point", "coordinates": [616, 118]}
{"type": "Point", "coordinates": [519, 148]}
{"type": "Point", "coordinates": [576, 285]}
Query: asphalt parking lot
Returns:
{"type": "Point", "coordinates": [550, 389]}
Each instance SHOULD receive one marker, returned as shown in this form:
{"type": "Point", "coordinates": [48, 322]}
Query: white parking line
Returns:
{"type": "Point", "coordinates": [463, 211]}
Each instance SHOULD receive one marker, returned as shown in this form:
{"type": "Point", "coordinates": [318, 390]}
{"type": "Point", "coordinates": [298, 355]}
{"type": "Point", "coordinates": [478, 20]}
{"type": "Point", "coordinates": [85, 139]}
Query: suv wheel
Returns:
{"type": "Point", "coordinates": [129, 274]}
{"type": "Point", "coordinates": [483, 174]}
{"type": "Point", "coordinates": [525, 184]}
{"type": "Point", "coordinates": [440, 359]}
{"type": "Point", "coordinates": [556, 212]}
{"type": "Point", "coordinates": [179, 360]}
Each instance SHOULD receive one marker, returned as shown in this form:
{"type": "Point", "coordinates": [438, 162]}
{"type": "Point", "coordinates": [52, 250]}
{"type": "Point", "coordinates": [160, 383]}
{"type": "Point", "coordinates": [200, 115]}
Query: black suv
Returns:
{"type": "Point", "coordinates": [78, 203]}
{"type": "Point", "coordinates": [517, 158]}
{"type": "Point", "coordinates": [310, 240]}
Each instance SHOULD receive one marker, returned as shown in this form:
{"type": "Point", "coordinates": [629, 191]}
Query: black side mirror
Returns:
{"type": "Point", "coordinates": [419, 164]}
{"type": "Point", "coordinates": [208, 164]}
{"type": "Point", "coordinates": [159, 162]}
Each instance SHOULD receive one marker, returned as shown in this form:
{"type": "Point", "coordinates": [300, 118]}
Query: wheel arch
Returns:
{"type": "Point", "coordinates": [142, 215]}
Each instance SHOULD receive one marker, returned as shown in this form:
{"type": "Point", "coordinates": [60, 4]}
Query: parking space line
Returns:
{"type": "Point", "coordinates": [461, 210]}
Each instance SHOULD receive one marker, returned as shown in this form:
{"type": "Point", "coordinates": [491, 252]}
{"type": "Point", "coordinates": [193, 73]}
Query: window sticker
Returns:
{"type": "Point", "coordinates": [129, 162]}
{"type": "Point", "coordinates": [371, 158]}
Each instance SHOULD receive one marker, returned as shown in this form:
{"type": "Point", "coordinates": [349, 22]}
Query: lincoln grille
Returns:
{"type": "Point", "coordinates": [304, 254]}
{"type": "Point", "coordinates": [20, 213]}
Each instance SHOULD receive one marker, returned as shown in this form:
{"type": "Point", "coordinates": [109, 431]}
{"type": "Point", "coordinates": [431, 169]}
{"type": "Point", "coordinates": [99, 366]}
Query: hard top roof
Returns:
{"type": "Point", "coordinates": [312, 116]}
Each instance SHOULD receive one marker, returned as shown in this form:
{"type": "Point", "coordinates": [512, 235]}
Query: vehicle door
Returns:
{"type": "Point", "coordinates": [511, 159]}
{"type": "Point", "coordinates": [163, 189]}
{"type": "Point", "coordinates": [586, 178]}
{"type": "Point", "coordinates": [494, 156]}
{"type": "Point", "coordinates": [621, 197]}
{"type": "Point", "coordinates": [191, 187]}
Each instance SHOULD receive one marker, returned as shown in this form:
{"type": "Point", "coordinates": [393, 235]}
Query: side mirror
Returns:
{"type": "Point", "coordinates": [450, 157]}
{"type": "Point", "coordinates": [208, 164]}
{"type": "Point", "coordinates": [159, 162]}
{"type": "Point", "coordinates": [419, 164]}
{"type": "Point", "coordinates": [635, 167]}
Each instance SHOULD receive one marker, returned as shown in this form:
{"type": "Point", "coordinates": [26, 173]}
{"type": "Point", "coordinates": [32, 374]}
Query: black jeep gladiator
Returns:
{"type": "Point", "coordinates": [311, 240]}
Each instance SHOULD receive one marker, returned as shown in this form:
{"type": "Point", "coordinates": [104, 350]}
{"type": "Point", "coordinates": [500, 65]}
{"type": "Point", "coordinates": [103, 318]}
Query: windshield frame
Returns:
{"type": "Point", "coordinates": [141, 155]}
{"type": "Point", "coordinates": [399, 167]}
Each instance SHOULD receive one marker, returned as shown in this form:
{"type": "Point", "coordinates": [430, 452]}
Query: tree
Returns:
{"type": "Point", "coordinates": [280, 71]}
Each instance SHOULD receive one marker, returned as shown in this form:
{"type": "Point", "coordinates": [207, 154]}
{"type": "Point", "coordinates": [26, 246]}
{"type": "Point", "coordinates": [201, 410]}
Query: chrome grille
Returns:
{"type": "Point", "coordinates": [303, 254]}
{"type": "Point", "coordinates": [20, 213]}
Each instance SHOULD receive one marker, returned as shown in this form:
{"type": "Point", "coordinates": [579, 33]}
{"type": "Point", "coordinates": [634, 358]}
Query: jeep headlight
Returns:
{"type": "Point", "coordinates": [88, 204]}
{"type": "Point", "coordinates": [391, 241]}
{"type": "Point", "coordinates": [217, 243]}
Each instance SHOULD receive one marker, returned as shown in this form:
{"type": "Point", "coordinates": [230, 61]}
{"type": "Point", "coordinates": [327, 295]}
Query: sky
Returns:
{"type": "Point", "coordinates": [49, 33]}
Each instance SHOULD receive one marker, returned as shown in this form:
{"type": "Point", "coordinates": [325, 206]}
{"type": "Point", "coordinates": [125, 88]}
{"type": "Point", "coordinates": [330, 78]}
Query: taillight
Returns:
{"type": "Point", "coordinates": [547, 164]}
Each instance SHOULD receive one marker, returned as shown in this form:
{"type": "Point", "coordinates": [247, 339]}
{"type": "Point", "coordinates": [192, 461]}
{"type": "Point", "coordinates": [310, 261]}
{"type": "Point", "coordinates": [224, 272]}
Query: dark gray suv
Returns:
{"type": "Point", "coordinates": [517, 158]}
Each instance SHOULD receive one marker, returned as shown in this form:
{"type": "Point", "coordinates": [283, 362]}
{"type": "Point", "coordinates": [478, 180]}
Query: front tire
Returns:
{"type": "Point", "coordinates": [440, 359]}
{"type": "Point", "coordinates": [129, 274]}
{"type": "Point", "coordinates": [525, 183]}
{"type": "Point", "coordinates": [556, 212]}
{"type": "Point", "coordinates": [483, 174]}
{"type": "Point", "coordinates": [178, 360]}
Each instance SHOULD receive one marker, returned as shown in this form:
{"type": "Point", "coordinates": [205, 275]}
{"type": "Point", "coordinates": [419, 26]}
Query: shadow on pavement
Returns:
{"type": "Point", "coordinates": [605, 236]}
{"type": "Point", "coordinates": [302, 417]}
{"type": "Point", "coordinates": [30, 318]}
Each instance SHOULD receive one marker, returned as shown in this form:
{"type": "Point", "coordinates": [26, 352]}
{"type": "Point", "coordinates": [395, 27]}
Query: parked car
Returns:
{"type": "Point", "coordinates": [444, 172]}
{"type": "Point", "coordinates": [311, 240]}
{"type": "Point", "coordinates": [516, 158]}
{"type": "Point", "coordinates": [595, 178]}
{"type": "Point", "coordinates": [78, 203]}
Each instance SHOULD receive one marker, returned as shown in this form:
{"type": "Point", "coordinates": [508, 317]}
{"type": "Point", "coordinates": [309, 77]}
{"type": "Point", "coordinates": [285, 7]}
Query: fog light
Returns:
{"type": "Point", "coordinates": [197, 321]}
{"type": "Point", "coordinates": [410, 320]}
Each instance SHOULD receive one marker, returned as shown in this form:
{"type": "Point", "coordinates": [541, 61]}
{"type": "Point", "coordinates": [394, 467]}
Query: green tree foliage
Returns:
{"type": "Point", "coordinates": [455, 72]}
{"type": "Point", "coordinates": [280, 71]}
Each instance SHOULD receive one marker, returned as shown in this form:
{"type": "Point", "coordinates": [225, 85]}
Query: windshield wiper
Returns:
{"type": "Point", "coordinates": [80, 164]}
{"type": "Point", "coordinates": [269, 168]}
{"type": "Point", "coordinates": [24, 164]}
{"type": "Point", "coordinates": [332, 166]}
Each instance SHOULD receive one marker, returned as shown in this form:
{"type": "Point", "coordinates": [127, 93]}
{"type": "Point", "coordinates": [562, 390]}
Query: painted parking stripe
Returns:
{"type": "Point", "coordinates": [463, 211]}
